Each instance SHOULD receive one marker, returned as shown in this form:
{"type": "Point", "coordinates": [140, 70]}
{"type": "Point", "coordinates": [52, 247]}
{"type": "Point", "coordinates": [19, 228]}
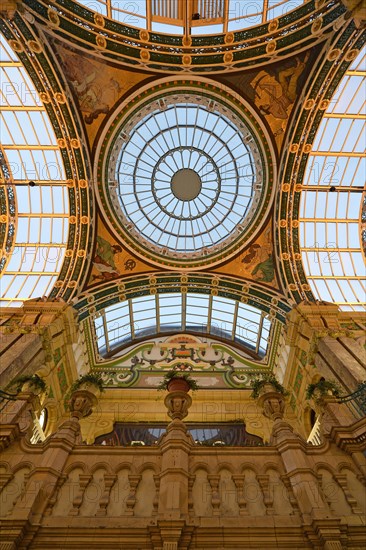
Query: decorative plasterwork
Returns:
{"type": "Point", "coordinates": [206, 92]}
{"type": "Point", "coordinates": [338, 55]}
{"type": "Point", "coordinates": [42, 70]}
{"type": "Point", "coordinates": [256, 46]}
{"type": "Point", "coordinates": [213, 364]}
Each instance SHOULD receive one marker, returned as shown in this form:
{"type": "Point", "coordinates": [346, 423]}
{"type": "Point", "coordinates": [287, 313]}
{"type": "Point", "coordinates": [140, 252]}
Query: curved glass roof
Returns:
{"type": "Point", "coordinates": [196, 17]}
{"type": "Point", "coordinates": [136, 318]}
{"type": "Point", "coordinates": [38, 214]}
{"type": "Point", "coordinates": [331, 202]}
{"type": "Point", "coordinates": [186, 175]}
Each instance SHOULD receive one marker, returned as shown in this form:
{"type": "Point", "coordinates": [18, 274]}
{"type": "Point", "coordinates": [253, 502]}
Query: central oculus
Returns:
{"type": "Point", "coordinates": [186, 184]}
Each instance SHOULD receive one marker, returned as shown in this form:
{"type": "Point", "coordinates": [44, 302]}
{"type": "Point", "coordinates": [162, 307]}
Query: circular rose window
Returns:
{"type": "Point", "coordinates": [185, 174]}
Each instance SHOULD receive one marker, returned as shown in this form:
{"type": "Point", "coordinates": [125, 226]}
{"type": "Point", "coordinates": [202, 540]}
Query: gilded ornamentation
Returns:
{"type": "Point", "coordinates": [273, 25]}
{"type": "Point", "coordinates": [186, 60]}
{"type": "Point", "coordinates": [101, 41]}
{"type": "Point", "coordinates": [60, 98]}
{"type": "Point", "coordinates": [35, 46]}
{"type": "Point", "coordinates": [352, 54]}
{"type": "Point", "coordinates": [16, 46]}
{"type": "Point", "coordinates": [144, 55]}
{"type": "Point", "coordinates": [309, 104]}
{"type": "Point", "coordinates": [324, 104]}
{"type": "Point", "coordinates": [99, 19]}
{"type": "Point", "coordinates": [228, 57]}
{"type": "Point", "coordinates": [271, 46]}
{"type": "Point", "coordinates": [317, 25]}
{"type": "Point", "coordinates": [144, 35]}
{"type": "Point", "coordinates": [333, 54]}
{"type": "Point", "coordinates": [53, 17]}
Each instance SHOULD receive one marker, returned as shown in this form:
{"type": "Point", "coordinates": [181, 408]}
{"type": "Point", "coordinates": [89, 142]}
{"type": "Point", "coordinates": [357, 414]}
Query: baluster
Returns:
{"type": "Point", "coordinates": [131, 499]}
{"type": "Point", "coordinates": [53, 499]}
{"type": "Point", "coordinates": [156, 498]}
{"type": "Point", "coordinates": [4, 480]}
{"type": "Point", "coordinates": [267, 492]}
{"type": "Point", "coordinates": [109, 481]}
{"type": "Point", "coordinates": [290, 493]}
{"type": "Point", "coordinates": [214, 481]}
{"type": "Point", "coordinates": [343, 483]}
{"type": "Point", "coordinates": [84, 480]}
{"type": "Point", "coordinates": [191, 480]}
{"type": "Point", "coordinates": [239, 480]}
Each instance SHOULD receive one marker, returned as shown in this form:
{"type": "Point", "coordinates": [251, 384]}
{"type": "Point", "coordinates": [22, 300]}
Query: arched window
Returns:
{"type": "Point", "coordinates": [138, 318]}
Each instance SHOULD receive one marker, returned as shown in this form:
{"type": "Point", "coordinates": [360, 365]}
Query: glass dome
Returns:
{"type": "Point", "coordinates": [185, 174]}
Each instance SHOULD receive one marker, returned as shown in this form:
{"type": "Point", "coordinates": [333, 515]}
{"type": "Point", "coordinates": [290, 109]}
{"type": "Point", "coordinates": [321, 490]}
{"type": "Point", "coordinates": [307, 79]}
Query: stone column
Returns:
{"type": "Point", "coordinates": [344, 358]}
{"type": "Point", "coordinates": [17, 417]}
{"type": "Point", "coordinates": [299, 472]}
{"type": "Point", "coordinates": [45, 477]}
{"type": "Point", "coordinates": [328, 339]}
{"type": "Point", "coordinates": [175, 445]}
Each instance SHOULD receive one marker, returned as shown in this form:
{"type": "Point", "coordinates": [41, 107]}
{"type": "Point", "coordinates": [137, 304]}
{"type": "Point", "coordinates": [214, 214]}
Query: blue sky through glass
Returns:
{"type": "Point", "coordinates": [30, 148]}
{"type": "Point", "coordinates": [330, 221]}
{"type": "Point", "coordinates": [202, 313]}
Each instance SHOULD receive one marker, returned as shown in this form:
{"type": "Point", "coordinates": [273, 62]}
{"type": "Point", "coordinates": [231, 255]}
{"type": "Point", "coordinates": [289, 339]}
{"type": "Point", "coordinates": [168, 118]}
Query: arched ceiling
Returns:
{"type": "Point", "coordinates": [195, 17]}
{"type": "Point", "coordinates": [322, 181]}
{"type": "Point", "coordinates": [37, 233]}
{"type": "Point", "coordinates": [45, 201]}
{"type": "Point", "coordinates": [333, 206]}
{"type": "Point", "coordinates": [223, 51]}
{"type": "Point", "coordinates": [267, 273]}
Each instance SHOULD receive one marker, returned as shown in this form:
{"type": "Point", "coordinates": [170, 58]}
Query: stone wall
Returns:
{"type": "Point", "coordinates": [176, 494]}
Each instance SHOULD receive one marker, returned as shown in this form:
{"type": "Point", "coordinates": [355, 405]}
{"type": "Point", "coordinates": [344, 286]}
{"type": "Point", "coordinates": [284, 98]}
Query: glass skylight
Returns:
{"type": "Point", "coordinates": [186, 174]}
{"type": "Point", "coordinates": [120, 324]}
{"type": "Point", "coordinates": [29, 152]}
{"type": "Point", "coordinates": [215, 16]}
{"type": "Point", "coordinates": [331, 203]}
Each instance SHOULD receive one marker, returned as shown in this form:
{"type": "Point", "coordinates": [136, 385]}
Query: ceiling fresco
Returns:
{"type": "Point", "coordinates": [274, 89]}
{"type": "Point", "coordinates": [111, 259]}
{"type": "Point", "coordinates": [96, 85]}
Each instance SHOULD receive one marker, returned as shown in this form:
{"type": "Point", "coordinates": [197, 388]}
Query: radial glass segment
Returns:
{"type": "Point", "coordinates": [186, 177]}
